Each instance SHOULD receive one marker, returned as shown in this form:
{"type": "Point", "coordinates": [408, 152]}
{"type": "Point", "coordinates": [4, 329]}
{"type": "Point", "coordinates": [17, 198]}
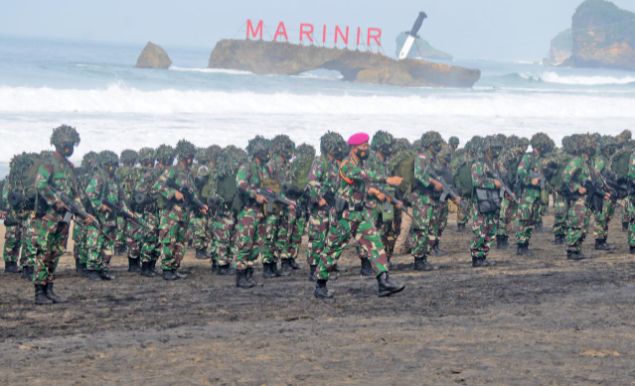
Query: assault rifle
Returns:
{"type": "Point", "coordinates": [540, 176]}
{"type": "Point", "coordinates": [274, 198]}
{"type": "Point", "coordinates": [448, 192]}
{"type": "Point", "coordinates": [188, 194]}
{"type": "Point", "coordinates": [505, 190]}
{"type": "Point", "coordinates": [121, 210]}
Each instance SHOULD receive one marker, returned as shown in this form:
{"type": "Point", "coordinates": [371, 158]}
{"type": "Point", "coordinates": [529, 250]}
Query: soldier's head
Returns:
{"type": "Point", "coordinates": [108, 161]}
{"type": "Point", "coordinates": [358, 145]}
{"type": "Point", "coordinates": [147, 156]}
{"type": "Point", "coordinates": [213, 153]}
{"type": "Point", "coordinates": [401, 144]}
{"type": "Point", "coordinates": [432, 141]}
{"type": "Point", "coordinates": [382, 142]}
{"type": "Point", "coordinates": [65, 138]}
{"type": "Point", "coordinates": [258, 148]}
{"type": "Point", "coordinates": [185, 152]}
{"type": "Point", "coordinates": [542, 143]}
{"type": "Point", "coordinates": [201, 157]}
{"type": "Point", "coordinates": [624, 137]}
{"type": "Point", "coordinates": [305, 151]}
{"type": "Point", "coordinates": [608, 146]}
{"type": "Point", "coordinates": [492, 146]}
{"type": "Point", "coordinates": [165, 155]}
{"type": "Point", "coordinates": [283, 146]}
{"type": "Point", "coordinates": [129, 157]}
{"type": "Point", "coordinates": [89, 161]}
{"type": "Point", "coordinates": [453, 142]}
{"type": "Point", "coordinates": [333, 145]}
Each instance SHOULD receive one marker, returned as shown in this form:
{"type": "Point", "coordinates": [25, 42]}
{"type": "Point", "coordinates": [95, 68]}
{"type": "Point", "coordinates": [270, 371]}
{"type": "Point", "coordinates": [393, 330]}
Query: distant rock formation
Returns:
{"type": "Point", "coordinates": [153, 56]}
{"type": "Point", "coordinates": [262, 57]}
{"type": "Point", "coordinates": [421, 49]}
{"type": "Point", "coordinates": [603, 36]}
{"type": "Point", "coordinates": [561, 48]}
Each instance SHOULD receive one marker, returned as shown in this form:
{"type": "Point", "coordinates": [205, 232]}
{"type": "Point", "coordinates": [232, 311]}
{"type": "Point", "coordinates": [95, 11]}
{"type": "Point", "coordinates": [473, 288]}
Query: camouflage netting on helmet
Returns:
{"type": "Point", "coordinates": [431, 139]}
{"type": "Point", "coordinates": [258, 146]}
{"type": "Point", "coordinates": [300, 167]}
{"type": "Point", "coordinates": [165, 154]}
{"type": "Point", "coordinates": [229, 160]}
{"type": "Point", "coordinates": [624, 137]}
{"type": "Point", "coordinates": [21, 180]}
{"type": "Point", "coordinates": [147, 154]}
{"type": "Point", "coordinates": [185, 149]}
{"type": "Point", "coordinates": [453, 141]}
{"type": "Point", "coordinates": [620, 162]}
{"type": "Point", "coordinates": [382, 142]}
{"type": "Point", "coordinates": [89, 161]}
{"type": "Point", "coordinates": [282, 145]}
{"type": "Point", "coordinates": [201, 155]}
{"type": "Point", "coordinates": [64, 134]}
{"type": "Point", "coordinates": [402, 164]}
{"type": "Point", "coordinates": [108, 158]}
{"type": "Point", "coordinates": [129, 157]}
{"type": "Point", "coordinates": [542, 142]}
{"type": "Point", "coordinates": [213, 152]}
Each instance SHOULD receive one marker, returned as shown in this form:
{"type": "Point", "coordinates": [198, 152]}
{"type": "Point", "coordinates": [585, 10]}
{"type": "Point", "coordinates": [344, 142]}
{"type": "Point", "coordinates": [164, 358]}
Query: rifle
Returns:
{"type": "Point", "coordinates": [188, 193]}
{"type": "Point", "coordinates": [539, 175]}
{"type": "Point", "coordinates": [505, 190]}
{"type": "Point", "coordinates": [449, 193]}
{"type": "Point", "coordinates": [119, 209]}
{"type": "Point", "coordinates": [274, 198]}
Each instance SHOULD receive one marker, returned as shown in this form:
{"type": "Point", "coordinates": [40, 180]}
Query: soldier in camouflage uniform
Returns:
{"type": "Point", "coordinates": [128, 231]}
{"type": "Point", "coordinates": [176, 187]}
{"type": "Point", "coordinates": [630, 204]}
{"type": "Point", "coordinates": [531, 179]}
{"type": "Point", "coordinates": [577, 175]}
{"type": "Point", "coordinates": [323, 183]}
{"type": "Point", "coordinates": [145, 204]}
{"type": "Point", "coordinates": [559, 160]}
{"type": "Point", "coordinates": [58, 195]}
{"type": "Point", "coordinates": [201, 171]}
{"type": "Point", "coordinates": [355, 219]}
{"type": "Point", "coordinates": [425, 200]}
{"type": "Point", "coordinates": [102, 192]}
{"type": "Point", "coordinates": [84, 173]}
{"type": "Point", "coordinates": [508, 161]}
{"type": "Point", "coordinates": [602, 216]}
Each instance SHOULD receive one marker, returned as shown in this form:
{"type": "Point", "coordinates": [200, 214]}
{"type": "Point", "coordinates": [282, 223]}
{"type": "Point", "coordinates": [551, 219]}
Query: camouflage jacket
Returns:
{"type": "Point", "coordinates": [482, 175]}
{"type": "Point", "coordinates": [251, 177]}
{"type": "Point", "coordinates": [529, 166]}
{"type": "Point", "coordinates": [172, 179]}
{"type": "Point", "coordinates": [126, 177]}
{"type": "Point", "coordinates": [576, 174]}
{"type": "Point", "coordinates": [103, 189]}
{"type": "Point", "coordinates": [355, 178]}
{"type": "Point", "coordinates": [422, 166]}
{"type": "Point", "coordinates": [144, 185]}
{"type": "Point", "coordinates": [56, 177]}
{"type": "Point", "coordinates": [323, 179]}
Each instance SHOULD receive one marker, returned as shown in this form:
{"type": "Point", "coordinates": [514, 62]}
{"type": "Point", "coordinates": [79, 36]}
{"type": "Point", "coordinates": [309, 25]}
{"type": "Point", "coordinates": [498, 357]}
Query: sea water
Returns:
{"type": "Point", "coordinates": [95, 88]}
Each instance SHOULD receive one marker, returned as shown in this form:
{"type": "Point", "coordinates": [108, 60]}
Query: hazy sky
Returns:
{"type": "Point", "coordinates": [489, 29]}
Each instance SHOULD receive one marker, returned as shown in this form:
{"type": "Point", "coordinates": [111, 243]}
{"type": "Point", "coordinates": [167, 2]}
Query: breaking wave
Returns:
{"type": "Point", "coordinates": [578, 80]}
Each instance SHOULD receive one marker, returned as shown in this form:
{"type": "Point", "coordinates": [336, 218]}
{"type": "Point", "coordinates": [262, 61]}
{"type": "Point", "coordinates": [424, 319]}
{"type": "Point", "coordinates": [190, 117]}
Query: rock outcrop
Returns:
{"type": "Point", "coordinates": [561, 48]}
{"type": "Point", "coordinates": [153, 56]}
{"type": "Point", "coordinates": [421, 49]}
{"type": "Point", "coordinates": [603, 36]}
{"type": "Point", "coordinates": [262, 57]}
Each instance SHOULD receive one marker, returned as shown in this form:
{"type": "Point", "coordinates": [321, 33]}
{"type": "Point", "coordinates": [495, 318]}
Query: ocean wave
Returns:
{"type": "Point", "coordinates": [577, 80]}
{"type": "Point", "coordinates": [206, 70]}
{"type": "Point", "coordinates": [118, 98]}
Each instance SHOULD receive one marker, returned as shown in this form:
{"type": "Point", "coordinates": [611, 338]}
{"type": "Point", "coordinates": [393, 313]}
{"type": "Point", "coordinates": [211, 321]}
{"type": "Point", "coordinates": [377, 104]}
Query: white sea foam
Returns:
{"type": "Point", "coordinates": [205, 70]}
{"type": "Point", "coordinates": [578, 80]}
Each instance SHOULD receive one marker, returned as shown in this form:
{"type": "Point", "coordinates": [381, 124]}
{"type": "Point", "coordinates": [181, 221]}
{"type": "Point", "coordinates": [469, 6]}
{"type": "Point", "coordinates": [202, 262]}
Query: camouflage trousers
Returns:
{"type": "Point", "coordinates": [422, 234]}
{"type": "Point", "coordinates": [134, 239]}
{"type": "Point", "coordinates": [79, 240]}
{"type": "Point", "coordinates": [484, 230]}
{"type": "Point", "coordinates": [149, 246]}
{"type": "Point", "coordinates": [319, 222]}
{"type": "Point", "coordinates": [360, 225]}
{"type": "Point", "coordinates": [221, 227]}
{"type": "Point", "coordinates": [100, 246]}
{"type": "Point", "coordinates": [602, 219]}
{"type": "Point", "coordinates": [463, 214]}
{"type": "Point", "coordinates": [630, 207]}
{"type": "Point", "coordinates": [560, 206]}
{"type": "Point", "coordinates": [12, 243]}
{"type": "Point", "coordinates": [506, 217]}
{"type": "Point", "coordinates": [48, 236]}
{"type": "Point", "coordinates": [626, 214]}
{"type": "Point", "coordinates": [386, 220]}
{"type": "Point", "coordinates": [440, 219]}
{"type": "Point", "coordinates": [249, 236]}
{"type": "Point", "coordinates": [291, 226]}
{"type": "Point", "coordinates": [172, 236]}
{"type": "Point", "coordinates": [527, 214]}
{"type": "Point", "coordinates": [120, 233]}
{"type": "Point", "coordinates": [199, 229]}
{"type": "Point", "coordinates": [577, 224]}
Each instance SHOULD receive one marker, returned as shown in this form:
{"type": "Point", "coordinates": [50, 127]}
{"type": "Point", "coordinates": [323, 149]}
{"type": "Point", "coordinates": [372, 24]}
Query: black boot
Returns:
{"type": "Point", "coordinates": [241, 279]}
{"type": "Point", "coordinates": [27, 272]}
{"type": "Point", "coordinates": [558, 240]}
{"type": "Point", "coordinates": [170, 275]}
{"type": "Point", "coordinates": [523, 249]}
{"type": "Point", "coordinates": [78, 265]}
{"type": "Point", "coordinates": [602, 245]}
{"type": "Point", "coordinates": [146, 269]}
{"type": "Point", "coordinates": [312, 269]}
{"type": "Point", "coordinates": [321, 292]}
{"type": "Point", "coordinates": [575, 255]}
{"type": "Point", "coordinates": [460, 227]}
{"type": "Point", "coordinates": [201, 254]}
{"type": "Point", "coordinates": [224, 270]}
{"type": "Point", "coordinates": [120, 250]}
{"type": "Point", "coordinates": [99, 275]}
{"type": "Point", "coordinates": [11, 267]}
{"type": "Point", "coordinates": [421, 264]}
{"type": "Point", "coordinates": [92, 274]}
{"type": "Point", "coordinates": [270, 270]}
{"type": "Point", "coordinates": [631, 250]}
{"type": "Point", "coordinates": [624, 226]}
{"type": "Point", "coordinates": [502, 241]}
{"type": "Point", "coordinates": [40, 295]}
{"type": "Point", "coordinates": [50, 293]}
{"type": "Point", "coordinates": [214, 265]}
{"type": "Point", "coordinates": [366, 268]}
{"type": "Point", "coordinates": [478, 262]}
{"type": "Point", "coordinates": [250, 276]}
{"type": "Point", "coordinates": [133, 264]}
{"type": "Point", "coordinates": [285, 268]}
{"type": "Point", "coordinates": [386, 287]}
{"type": "Point", "coordinates": [292, 263]}
{"type": "Point", "coordinates": [436, 249]}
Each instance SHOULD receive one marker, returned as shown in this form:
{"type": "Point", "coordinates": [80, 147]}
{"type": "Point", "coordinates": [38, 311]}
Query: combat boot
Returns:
{"type": "Point", "coordinates": [421, 264]}
{"type": "Point", "coordinates": [386, 287]}
{"type": "Point", "coordinates": [292, 263]}
{"type": "Point", "coordinates": [502, 241]}
{"type": "Point", "coordinates": [120, 250]}
{"type": "Point", "coordinates": [631, 250]}
{"type": "Point", "coordinates": [170, 275]}
{"type": "Point", "coordinates": [201, 254]}
{"type": "Point", "coordinates": [602, 245]}
{"type": "Point", "coordinates": [480, 262]}
{"type": "Point", "coordinates": [146, 269]}
{"type": "Point", "coordinates": [575, 255]}
{"type": "Point", "coordinates": [40, 295]}
{"type": "Point", "coordinates": [285, 268]}
{"type": "Point", "coordinates": [366, 269]}
{"type": "Point", "coordinates": [460, 227]}
{"type": "Point", "coordinates": [11, 267]}
{"type": "Point", "coordinates": [50, 293]}
{"type": "Point", "coordinates": [214, 265]}
{"type": "Point", "coordinates": [250, 276]}
{"type": "Point", "coordinates": [78, 265]}
{"type": "Point", "coordinates": [523, 249]}
{"type": "Point", "coordinates": [312, 271]}
{"type": "Point", "coordinates": [436, 248]}
{"type": "Point", "coordinates": [27, 272]}
{"type": "Point", "coordinates": [558, 240]}
{"type": "Point", "coordinates": [133, 264]}
{"type": "Point", "coordinates": [224, 270]}
{"type": "Point", "coordinates": [321, 292]}
{"type": "Point", "coordinates": [624, 226]}
{"type": "Point", "coordinates": [241, 279]}
{"type": "Point", "coordinates": [270, 270]}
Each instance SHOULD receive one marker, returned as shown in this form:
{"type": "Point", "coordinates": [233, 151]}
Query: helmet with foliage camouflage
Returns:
{"type": "Point", "coordinates": [333, 143]}
{"type": "Point", "coordinates": [129, 157]}
{"type": "Point", "coordinates": [108, 158]}
{"type": "Point", "coordinates": [213, 152]}
{"type": "Point", "coordinates": [229, 160]}
{"type": "Point", "coordinates": [298, 176]}
{"type": "Point", "coordinates": [624, 137]}
{"type": "Point", "coordinates": [453, 142]}
{"type": "Point", "coordinates": [382, 142]}
{"type": "Point", "coordinates": [282, 145]}
{"type": "Point", "coordinates": [608, 145]}
{"type": "Point", "coordinates": [401, 144]}
{"type": "Point", "coordinates": [90, 160]}
{"type": "Point", "coordinates": [201, 155]}
{"type": "Point", "coordinates": [146, 155]}
{"type": "Point", "coordinates": [542, 142]}
{"type": "Point", "coordinates": [21, 163]}
{"type": "Point", "coordinates": [185, 149]}
{"type": "Point", "coordinates": [493, 144]}
{"type": "Point", "coordinates": [475, 146]}
{"type": "Point", "coordinates": [259, 147]}
{"type": "Point", "coordinates": [432, 140]}
{"type": "Point", "coordinates": [64, 134]}
{"type": "Point", "coordinates": [165, 154]}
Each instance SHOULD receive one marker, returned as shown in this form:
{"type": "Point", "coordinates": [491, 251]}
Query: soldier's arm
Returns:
{"type": "Point", "coordinates": [242, 181]}
{"type": "Point", "coordinates": [421, 174]}
{"type": "Point", "coordinates": [522, 174]}
{"type": "Point", "coordinates": [479, 179]}
{"type": "Point", "coordinates": [92, 192]}
{"type": "Point", "coordinates": [162, 187]}
{"type": "Point", "coordinates": [42, 185]}
{"type": "Point", "coordinates": [315, 186]}
{"type": "Point", "coordinates": [568, 173]}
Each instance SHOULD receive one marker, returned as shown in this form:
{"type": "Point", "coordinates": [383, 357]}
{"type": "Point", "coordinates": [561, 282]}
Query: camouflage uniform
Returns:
{"type": "Point", "coordinates": [530, 200]}
{"type": "Point", "coordinates": [630, 204]}
{"type": "Point", "coordinates": [602, 217]}
{"type": "Point", "coordinates": [424, 209]}
{"type": "Point", "coordinates": [575, 175]}
{"type": "Point", "coordinates": [199, 222]}
{"type": "Point", "coordinates": [129, 231]}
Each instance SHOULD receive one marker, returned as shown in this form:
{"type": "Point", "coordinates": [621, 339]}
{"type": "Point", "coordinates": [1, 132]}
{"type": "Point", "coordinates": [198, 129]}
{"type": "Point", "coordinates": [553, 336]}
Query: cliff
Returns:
{"type": "Point", "coordinates": [561, 48]}
{"type": "Point", "coordinates": [262, 57]}
{"type": "Point", "coordinates": [153, 56]}
{"type": "Point", "coordinates": [421, 49]}
{"type": "Point", "coordinates": [603, 36]}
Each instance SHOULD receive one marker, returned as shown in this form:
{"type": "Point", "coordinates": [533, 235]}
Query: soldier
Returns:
{"type": "Point", "coordinates": [84, 173]}
{"type": "Point", "coordinates": [146, 204]}
{"type": "Point", "coordinates": [453, 143]}
{"type": "Point", "coordinates": [425, 200]}
{"type": "Point", "coordinates": [199, 222]}
{"type": "Point", "coordinates": [602, 216]}
{"type": "Point", "coordinates": [355, 219]}
{"type": "Point", "coordinates": [508, 161]}
{"type": "Point", "coordinates": [576, 176]}
{"type": "Point", "coordinates": [176, 187]}
{"type": "Point", "coordinates": [531, 179]}
{"type": "Point", "coordinates": [128, 231]}
{"type": "Point", "coordinates": [630, 204]}
{"type": "Point", "coordinates": [57, 195]}
{"type": "Point", "coordinates": [102, 191]}
{"type": "Point", "coordinates": [323, 183]}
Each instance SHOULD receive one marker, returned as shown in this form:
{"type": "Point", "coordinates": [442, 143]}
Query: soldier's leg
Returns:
{"type": "Point", "coordinates": [95, 247]}
{"type": "Point", "coordinates": [169, 229]}
{"type": "Point", "coordinates": [120, 236]}
{"type": "Point", "coordinates": [577, 224]}
{"type": "Point", "coordinates": [626, 220]}
{"type": "Point", "coordinates": [11, 250]}
{"type": "Point", "coordinates": [149, 244]}
{"type": "Point", "coordinates": [200, 237]}
{"type": "Point", "coordinates": [441, 220]}
{"type": "Point", "coordinates": [601, 227]}
{"type": "Point", "coordinates": [339, 233]}
{"type": "Point", "coordinates": [502, 232]}
{"type": "Point", "coordinates": [222, 230]}
{"type": "Point", "coordinates": [295, 241]}
{"type": "Point", "coordinates": [133, 242]}
{"type": "Point", "coordinates": [246, 248]}
{"type": "Point", "coordinates": [630, 208]}
{"type": "Point", "coordinates": [462, 216]}
{"type": "Point", "coordinates": [525, 219]}
{"type": "Point", "coordinates": [560, 219]}
{"type": "Point", "coordinates": [369, 239]}
{"type": "Point", "coordinates": [423, 215]}
{"type": "Point", "coordinates": [317, 230]}
{"type": "Point", "coordinates": [484, 229]}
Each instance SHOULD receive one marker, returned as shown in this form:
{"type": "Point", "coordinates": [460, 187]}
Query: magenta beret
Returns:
{"type": "Point", "coordinates": [358, 139]}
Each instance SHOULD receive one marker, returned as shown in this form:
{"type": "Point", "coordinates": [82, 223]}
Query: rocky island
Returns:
{"type": "Point", "coordinates": [264, 57]}
{"type": "Point", "coordinates": [153, 56]}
